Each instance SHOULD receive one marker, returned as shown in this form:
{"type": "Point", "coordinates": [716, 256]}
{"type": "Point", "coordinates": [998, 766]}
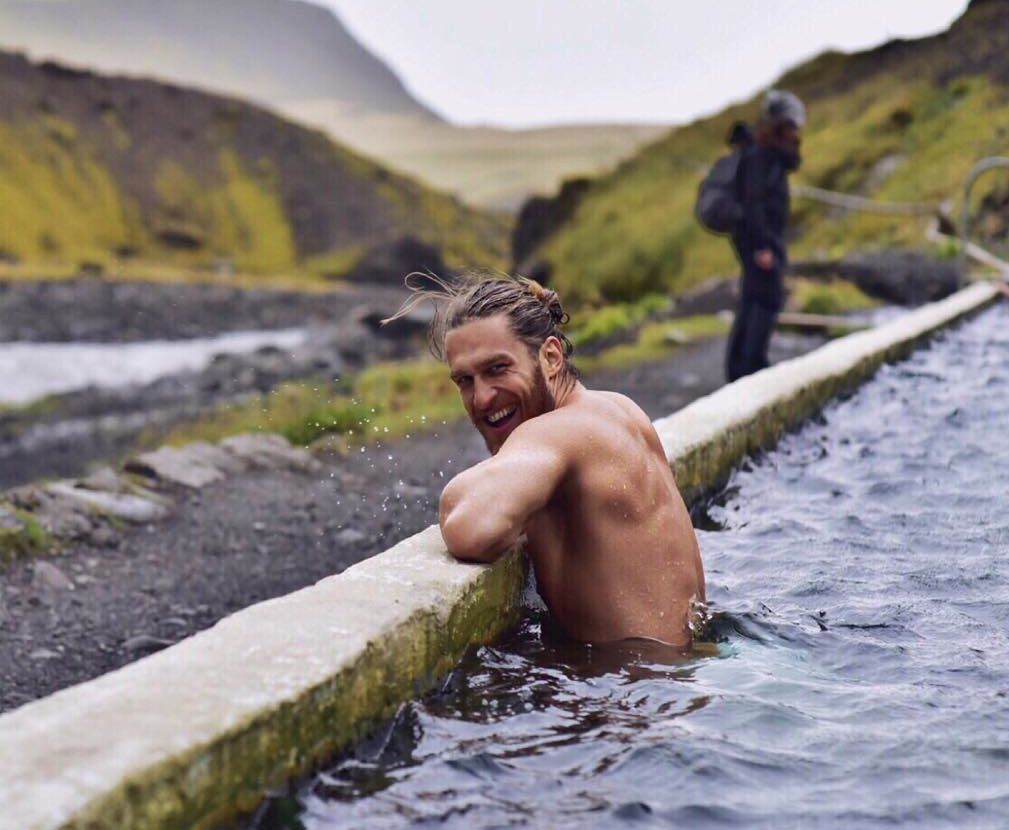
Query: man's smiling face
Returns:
{"type": "Point", "coordinates": [500, 382]}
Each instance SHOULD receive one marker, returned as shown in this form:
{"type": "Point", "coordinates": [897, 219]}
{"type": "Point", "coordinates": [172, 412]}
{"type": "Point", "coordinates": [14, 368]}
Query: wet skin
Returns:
{"type": "Point", "coordinates": [583, 475]}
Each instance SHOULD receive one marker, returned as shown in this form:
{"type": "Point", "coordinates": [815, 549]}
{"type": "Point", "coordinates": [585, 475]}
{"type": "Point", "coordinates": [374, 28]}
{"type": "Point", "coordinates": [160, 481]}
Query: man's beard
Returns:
{"type": "Point", "coordinates": [540, 402]}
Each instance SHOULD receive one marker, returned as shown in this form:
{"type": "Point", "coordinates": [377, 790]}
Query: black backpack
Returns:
{"type": "Point", "coordinates": [717, 207]}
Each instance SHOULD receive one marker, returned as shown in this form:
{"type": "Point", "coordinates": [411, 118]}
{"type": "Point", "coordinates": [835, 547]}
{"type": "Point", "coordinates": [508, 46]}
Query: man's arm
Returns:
{"type": "Point", "coordinates": [485, 509]}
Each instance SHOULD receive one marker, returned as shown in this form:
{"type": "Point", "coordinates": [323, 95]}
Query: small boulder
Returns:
{"type": "Point", "coordinates": [269, 451]}
{"type": "Point", "coordinates": [349, 536]}
{"type": "Point", "coordinates": [56, 515]}
{"type": "Point", "coordinates": [142, 644]}
{"type": "Point", "coordinates": [105, 480]}
{"type": "Point", "coordinates": [904, 277]}
{"type": "Point", "coordinates": [9, 520]}
{"type": "Point", "coordinates": [120, 505]}
{"type": "Point", "coordinates": [176, 466]}
{"type": "Point", "coordinates": [47, 577]}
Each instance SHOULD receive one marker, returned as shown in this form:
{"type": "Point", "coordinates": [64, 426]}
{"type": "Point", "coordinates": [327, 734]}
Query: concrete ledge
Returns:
{"type": "Point", "coordinates": [191, 735]}
{"type": "Point", "coordinates": [706, 439]}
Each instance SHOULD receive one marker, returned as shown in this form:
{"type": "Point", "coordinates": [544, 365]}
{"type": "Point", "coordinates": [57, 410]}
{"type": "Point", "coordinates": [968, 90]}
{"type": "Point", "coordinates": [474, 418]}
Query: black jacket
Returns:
{"type": "Point", "coordinates": [762, 190]}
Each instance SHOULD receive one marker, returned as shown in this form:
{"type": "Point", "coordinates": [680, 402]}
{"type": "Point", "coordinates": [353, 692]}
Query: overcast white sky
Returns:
{"type": "Point", "coordinates": [529, 62]}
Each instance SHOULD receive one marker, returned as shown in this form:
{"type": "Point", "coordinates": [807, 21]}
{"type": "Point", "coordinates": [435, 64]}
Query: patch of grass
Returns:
{"type": "Point", "coordinates": [386, 400]}
{"type": "Point", "coordinates": [35, 408]}
{"type": "Point", "coordinates": [238, 217]}
{"type": "Point", "coordinates": [334, 266]}
{"type": "Point", "coordinates": [396, 399]}
{"type": "Point", "coordinates": [598, 324]}
{"type": "Point", "coordinates": [153, 270]}
{"type": "Point", "coordinates": [947, 249]}
{"type": "Point", "coordinates": [834, 297]}
{"type": "Point", "coordinates": [30, 540]}
{"type": "Point", "coordinates": [654, 342]}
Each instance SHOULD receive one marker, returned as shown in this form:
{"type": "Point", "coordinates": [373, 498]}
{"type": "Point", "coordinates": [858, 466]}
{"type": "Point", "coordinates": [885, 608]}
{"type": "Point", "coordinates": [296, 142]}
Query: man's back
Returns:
{"type": "Point", "coordinates": [614, 543]}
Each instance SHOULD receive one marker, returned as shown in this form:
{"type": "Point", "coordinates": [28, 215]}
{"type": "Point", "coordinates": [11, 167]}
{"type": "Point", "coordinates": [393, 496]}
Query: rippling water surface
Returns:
{"type": "Point", "coordinates": [861, 579]}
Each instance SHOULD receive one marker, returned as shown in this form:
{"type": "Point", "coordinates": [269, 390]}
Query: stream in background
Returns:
{"type": "Point", "coordinates": [29, 371]}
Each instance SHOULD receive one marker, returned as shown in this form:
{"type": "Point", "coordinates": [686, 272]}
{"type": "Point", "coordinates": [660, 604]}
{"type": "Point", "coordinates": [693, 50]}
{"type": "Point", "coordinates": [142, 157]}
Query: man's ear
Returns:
{"type": "Point", "coordinates": [551, 357]}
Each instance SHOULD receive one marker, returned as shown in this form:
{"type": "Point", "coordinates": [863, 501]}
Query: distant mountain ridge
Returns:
{"type": "Point", "coordinates": [300, 60]}
{"type": "Point", "coordinates": [95, 167]}
{"type": "Point", "coordinates": [268, 51]}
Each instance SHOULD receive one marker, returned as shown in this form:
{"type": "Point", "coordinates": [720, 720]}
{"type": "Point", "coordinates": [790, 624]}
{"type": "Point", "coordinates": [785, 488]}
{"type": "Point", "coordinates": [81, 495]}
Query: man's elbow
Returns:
{"type": "Point", "coordinates": [471, 541]}
{"type": "Point", "coordinates": [465, 543]}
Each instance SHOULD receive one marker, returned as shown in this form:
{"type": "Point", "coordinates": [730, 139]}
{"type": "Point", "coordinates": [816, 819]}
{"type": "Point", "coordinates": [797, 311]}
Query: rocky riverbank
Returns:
{"type": "Point", "coordinates": [67, 432]}
{"type": "Point", "coordinates": [103, 311]}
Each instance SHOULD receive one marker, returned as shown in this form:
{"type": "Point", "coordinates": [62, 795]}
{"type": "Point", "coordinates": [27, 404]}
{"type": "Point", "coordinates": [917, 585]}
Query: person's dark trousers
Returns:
{"type": "Point", "coordinates": [749, 339]}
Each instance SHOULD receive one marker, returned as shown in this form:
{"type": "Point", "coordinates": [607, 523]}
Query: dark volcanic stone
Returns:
{"type": "Point", "coordinates": [539, 218]}
{"type": "Point", "coordinates": [389, 264]}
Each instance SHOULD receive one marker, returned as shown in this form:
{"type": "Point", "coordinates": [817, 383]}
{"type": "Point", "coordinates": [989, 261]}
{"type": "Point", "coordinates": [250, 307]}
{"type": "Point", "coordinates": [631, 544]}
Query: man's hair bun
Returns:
{"type": "Point", "coordinates": [549, 299]}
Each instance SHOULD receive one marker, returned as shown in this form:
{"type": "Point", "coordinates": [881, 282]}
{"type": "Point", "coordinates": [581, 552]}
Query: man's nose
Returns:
{"type": "Point", "coordinates": [483, 394]}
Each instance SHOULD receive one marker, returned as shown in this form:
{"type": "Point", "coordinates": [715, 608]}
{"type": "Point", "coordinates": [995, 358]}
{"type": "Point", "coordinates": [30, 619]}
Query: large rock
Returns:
{"type": "Point", "coordinates": [388, 264]}
{"type": "Point", "coordinates": [176, 465]}
{"type": "Point", "coordinates": [57, 515]}
{"type": "Point", "coordinates": [269, 451]}
{"type": "Point", "coordinates": [124, 506]}
{"type": "Point", "coordinates": [903, 277]}
{"type": "Point", "coordinates": [48, 578]}
{"type": "Point", "coordinates": [541, 217]}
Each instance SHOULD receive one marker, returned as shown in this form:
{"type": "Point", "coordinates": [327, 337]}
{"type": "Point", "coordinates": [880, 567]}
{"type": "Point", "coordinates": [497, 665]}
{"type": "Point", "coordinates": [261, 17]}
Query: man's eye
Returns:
{"type": "Point", "coordinates": [498, 368]}
{"type": "Point", "coordinates": [463, 381]}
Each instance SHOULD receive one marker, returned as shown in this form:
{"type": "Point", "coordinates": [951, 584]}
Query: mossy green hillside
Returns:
{"type": "Point", "coordinates": [115, 171]}
{"type": "Point", "coordinates": [58, 199]}
{"type": "Point", "coordinates": [903, 123]}
{"type": "Point", "coordinates": [240, 216]}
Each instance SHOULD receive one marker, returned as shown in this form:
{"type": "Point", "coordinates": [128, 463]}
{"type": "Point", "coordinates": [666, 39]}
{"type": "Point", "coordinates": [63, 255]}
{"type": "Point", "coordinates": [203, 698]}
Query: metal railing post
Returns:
{"type": "Point", "coordinates": [983, 166]}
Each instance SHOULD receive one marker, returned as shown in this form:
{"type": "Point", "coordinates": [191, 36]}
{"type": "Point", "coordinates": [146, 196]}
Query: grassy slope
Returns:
{"type": "Point", "coordinates": [939, 103]}
{"type": "Point", "coordinates": [91, 167]}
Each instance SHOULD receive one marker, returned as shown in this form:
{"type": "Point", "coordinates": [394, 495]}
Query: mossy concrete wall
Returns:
{"type": "Point", "coordinates": [187, 737]}
{"type": "Point", "coordinates": [190, 736]}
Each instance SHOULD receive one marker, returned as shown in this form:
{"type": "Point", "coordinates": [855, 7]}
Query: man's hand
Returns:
{"type": "Point", "coordinates": [764, 258]}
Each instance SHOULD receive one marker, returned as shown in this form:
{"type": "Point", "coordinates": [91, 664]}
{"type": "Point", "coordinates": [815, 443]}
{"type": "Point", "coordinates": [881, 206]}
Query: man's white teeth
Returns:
{"type": "Point", "coordinates": [495, 417]}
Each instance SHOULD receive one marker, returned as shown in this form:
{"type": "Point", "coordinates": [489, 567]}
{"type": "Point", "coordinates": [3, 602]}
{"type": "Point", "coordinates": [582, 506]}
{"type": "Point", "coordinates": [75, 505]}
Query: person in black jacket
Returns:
{"type": "Point", "coordinates": [759, 238]}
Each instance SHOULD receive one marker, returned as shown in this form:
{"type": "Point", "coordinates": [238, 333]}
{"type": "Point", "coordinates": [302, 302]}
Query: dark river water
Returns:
{"type": "Point", "coordinates": [860, 577]}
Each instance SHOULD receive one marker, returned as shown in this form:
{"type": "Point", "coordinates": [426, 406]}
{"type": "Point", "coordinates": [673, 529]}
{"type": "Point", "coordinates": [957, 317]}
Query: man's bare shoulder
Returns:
{"type": "Point", "coordinates": [594, 412]}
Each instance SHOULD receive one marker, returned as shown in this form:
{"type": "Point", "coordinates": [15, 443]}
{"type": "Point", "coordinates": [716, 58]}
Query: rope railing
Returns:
{"type": "Point", "coordinates": [861, 203]}
{"type": "Point", "coordinates": [932, 229]}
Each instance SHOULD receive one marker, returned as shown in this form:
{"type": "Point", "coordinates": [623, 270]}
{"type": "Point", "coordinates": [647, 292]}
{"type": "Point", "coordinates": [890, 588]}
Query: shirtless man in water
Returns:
{"type": "Point", "coordinates": [581, 473]}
